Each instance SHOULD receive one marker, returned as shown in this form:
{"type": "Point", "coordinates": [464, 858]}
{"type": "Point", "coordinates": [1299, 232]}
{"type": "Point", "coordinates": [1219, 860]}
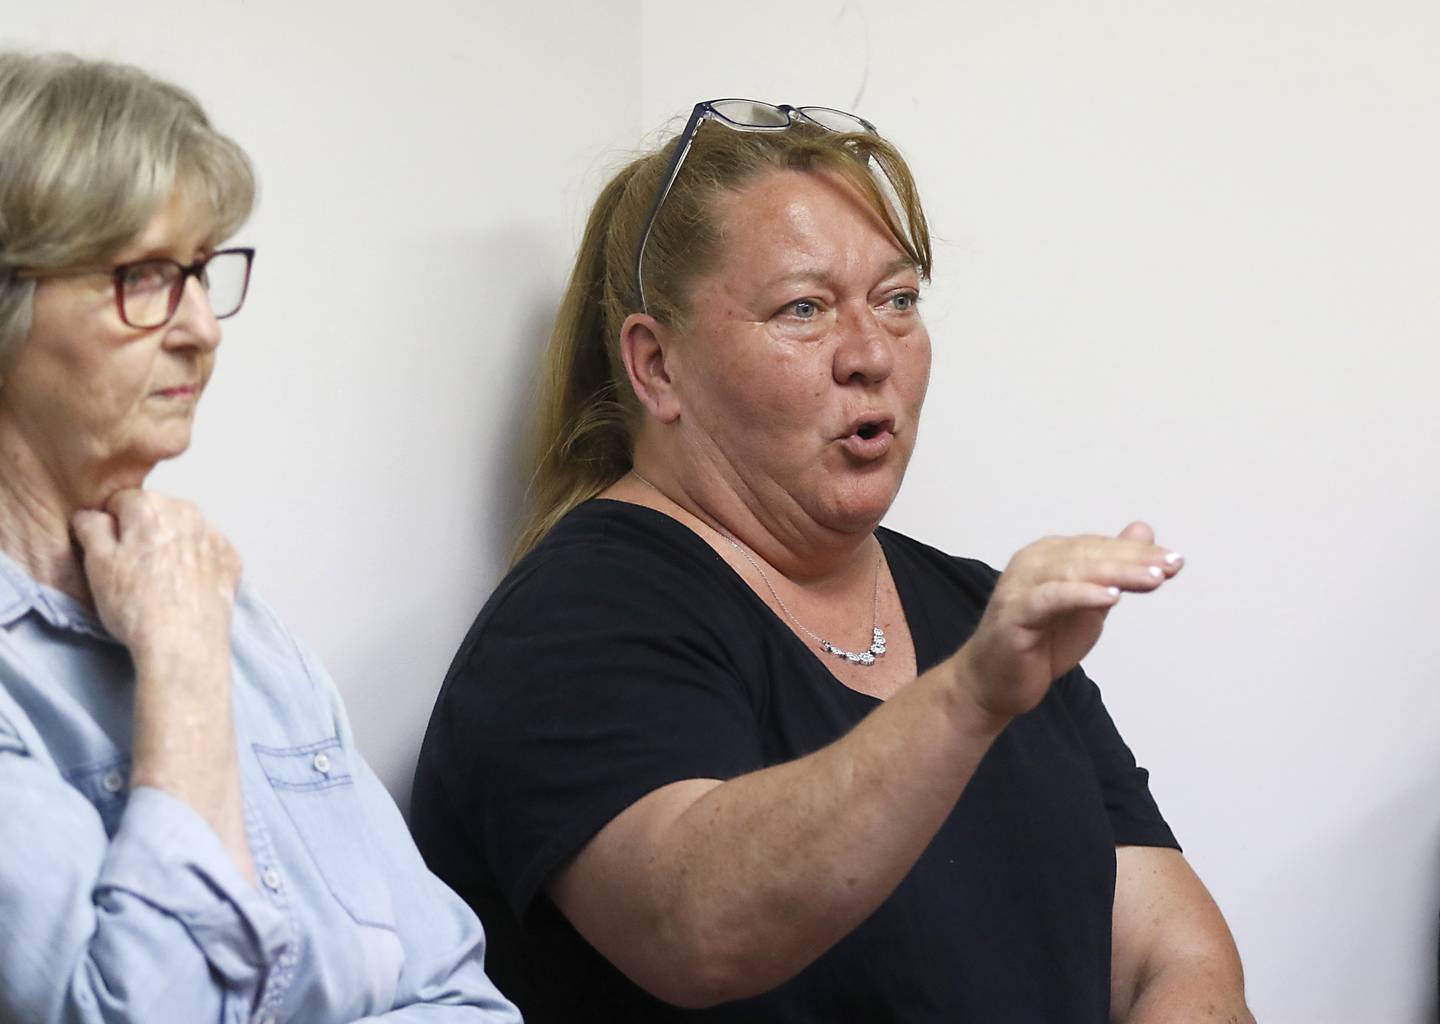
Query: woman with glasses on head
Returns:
{"type": "Point", "coordinates": [720, 747]}
{"type": "Point", "coordinates": [188, 833]}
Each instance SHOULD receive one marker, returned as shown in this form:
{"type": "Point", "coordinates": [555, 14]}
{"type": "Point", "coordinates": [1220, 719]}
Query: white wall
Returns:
{"type": "Point", "coordinates": [1190, 273]}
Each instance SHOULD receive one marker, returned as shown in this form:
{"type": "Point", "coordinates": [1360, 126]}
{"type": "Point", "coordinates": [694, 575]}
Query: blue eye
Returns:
{"type": "Point", "coordinates": [803, 309]}
{"type": "Point", "coordinates": [904, 302]}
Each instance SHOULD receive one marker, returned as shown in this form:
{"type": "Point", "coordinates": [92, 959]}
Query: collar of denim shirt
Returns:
{"type": "Point", "coordinates": [20, 595]}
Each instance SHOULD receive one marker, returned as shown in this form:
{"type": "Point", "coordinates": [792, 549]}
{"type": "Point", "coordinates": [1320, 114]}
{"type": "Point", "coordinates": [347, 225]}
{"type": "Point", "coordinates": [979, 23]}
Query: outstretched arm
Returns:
{"type": "Point", "coordinates": [706, 891]}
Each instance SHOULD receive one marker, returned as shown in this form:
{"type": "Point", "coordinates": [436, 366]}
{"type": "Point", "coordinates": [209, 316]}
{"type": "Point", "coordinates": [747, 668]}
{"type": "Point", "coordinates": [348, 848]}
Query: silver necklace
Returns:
{"type": "Point", "coordinates": [877, 635]}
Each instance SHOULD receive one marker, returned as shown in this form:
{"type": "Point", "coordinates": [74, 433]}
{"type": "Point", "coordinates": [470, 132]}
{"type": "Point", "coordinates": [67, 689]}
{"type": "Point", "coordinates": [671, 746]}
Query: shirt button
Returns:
{"type": "Point", "coordinates": [271, 879]}
{"type": "Point", "coordinates": [113, 782]}
{"type": "Point", "coordinates": [321, 763]}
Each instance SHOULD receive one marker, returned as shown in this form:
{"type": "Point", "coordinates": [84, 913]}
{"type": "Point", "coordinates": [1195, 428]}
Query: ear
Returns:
{"type": "Point", "coordinates": [647, 349]}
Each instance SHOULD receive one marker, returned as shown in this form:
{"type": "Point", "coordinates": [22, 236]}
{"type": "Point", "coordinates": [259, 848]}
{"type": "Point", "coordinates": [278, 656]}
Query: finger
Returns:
{"type": "Point", "coordinates": [97, 533]}
{"type": "Point", "coordinates": [128, 507]}
{"type": "Point", "coordinates": [1134, 577]}
{"type": "Point", "coordinates": [1093, 558]}
{"type": "Point", "coordinates": [1170, 561]}
{"type": "Point", "coordinates": [1056, 598]}
{"type": "Point", "coordinates": [1100, 557]}
{"type": "Point", "coordinates": [1117, 564]}
{"type": "Point", "coordinates": [1138, 531]}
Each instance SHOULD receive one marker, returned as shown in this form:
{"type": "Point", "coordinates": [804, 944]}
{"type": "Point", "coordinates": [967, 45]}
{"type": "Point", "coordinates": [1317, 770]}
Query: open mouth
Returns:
{"type": "Point", "coordinates": [871, 427]}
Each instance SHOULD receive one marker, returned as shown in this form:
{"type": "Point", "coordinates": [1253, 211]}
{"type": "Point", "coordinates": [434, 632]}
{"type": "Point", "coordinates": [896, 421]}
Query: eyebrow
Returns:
{"type": "Point", "coordinates": [898, 264]}
{"type": "Point", "coordinates": [162, 251]}
{"type": "Point", "coordinates": [154, 252]}
{"type": "Point", "coordinates": [824, 277]}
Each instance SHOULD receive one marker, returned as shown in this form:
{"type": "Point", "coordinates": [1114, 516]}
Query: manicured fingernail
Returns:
{"type": "Point", "coordinates": [1174, 558]}
{"type": "Point", "coordinates": [1157, 572]}
{"type": "Point", "coordinates": [1113, 591]}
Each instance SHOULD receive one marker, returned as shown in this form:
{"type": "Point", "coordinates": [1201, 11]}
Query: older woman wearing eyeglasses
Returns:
{"type": "Point", "coordinates": [721, 747]}
{"type": "Point", "coordinates": [187, 833]}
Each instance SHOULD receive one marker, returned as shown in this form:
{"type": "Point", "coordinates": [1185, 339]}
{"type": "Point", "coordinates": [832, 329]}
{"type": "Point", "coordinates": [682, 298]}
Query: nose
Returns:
{"type": "Point", "coordinates": [866, 353]}
{"type": "Point", "coordinates": [194, 321]}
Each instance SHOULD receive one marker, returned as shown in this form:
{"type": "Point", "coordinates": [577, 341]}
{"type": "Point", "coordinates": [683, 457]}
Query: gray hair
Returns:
{"type": "Point", "coordinates": [89, 152]}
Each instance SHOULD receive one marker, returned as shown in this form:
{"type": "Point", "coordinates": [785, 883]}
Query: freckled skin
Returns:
{"type": "Point", "coordinates": [766, 397]}
{"type": "Point", "coordinates": [705, 891]}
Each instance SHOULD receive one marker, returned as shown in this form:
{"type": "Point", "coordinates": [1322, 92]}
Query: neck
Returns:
{"type": "Point", "coordinates": [35, 512]}
{"type": "Point", "coordinates": [787, 541]}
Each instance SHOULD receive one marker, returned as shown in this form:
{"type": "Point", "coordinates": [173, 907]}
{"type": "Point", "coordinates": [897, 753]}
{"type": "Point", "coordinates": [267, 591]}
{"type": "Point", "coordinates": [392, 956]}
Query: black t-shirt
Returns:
{"type": "Point", "coordinates": [623, 654]}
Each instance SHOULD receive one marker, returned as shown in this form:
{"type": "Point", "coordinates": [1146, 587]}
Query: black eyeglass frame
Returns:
{"type": "Point", "coordinates": [704, 111]}
{"type": "Point", "coordinates": [177, 290]}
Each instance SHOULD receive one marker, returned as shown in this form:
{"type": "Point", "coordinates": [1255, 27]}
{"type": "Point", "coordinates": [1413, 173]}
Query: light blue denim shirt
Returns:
{"type": "Point", "coordinates": [123, 906]}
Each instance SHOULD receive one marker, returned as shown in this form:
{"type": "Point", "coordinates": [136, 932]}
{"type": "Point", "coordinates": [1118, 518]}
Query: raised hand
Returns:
{"type": "Point", "coordinates": [163, 581]}
{"type": "Point", "coordinates": [161, 577]}
{"type": "Point", "coordinates": [1048, 609]}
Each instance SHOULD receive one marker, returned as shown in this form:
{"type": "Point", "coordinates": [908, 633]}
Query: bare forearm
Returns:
{"type": "Point", "coordinates": [185, 740]}
{"type": "Point", "coordinates": [760, 875]}
{"type": "Point", "coordinates": [703, 891]}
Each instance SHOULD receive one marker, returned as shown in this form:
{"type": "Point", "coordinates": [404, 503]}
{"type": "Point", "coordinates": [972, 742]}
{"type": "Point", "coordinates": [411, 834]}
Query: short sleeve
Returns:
{"type": "Point", "coordinates": [1134, 815]}
{"type": "Point", "coordinates": [594, 676]}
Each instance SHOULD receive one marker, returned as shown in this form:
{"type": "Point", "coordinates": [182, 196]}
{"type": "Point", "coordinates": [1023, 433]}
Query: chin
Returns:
{"type": "Point", "coordinates": [860, 506]}
{"type": "Point", "coordinates": [162, 449]}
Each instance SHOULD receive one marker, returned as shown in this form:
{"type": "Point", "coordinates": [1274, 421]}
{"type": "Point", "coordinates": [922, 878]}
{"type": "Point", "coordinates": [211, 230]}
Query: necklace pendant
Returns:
{"type": "Point", "coordinates": [865, 657]}
{"type": "Point", "coordinates": [877, 635]}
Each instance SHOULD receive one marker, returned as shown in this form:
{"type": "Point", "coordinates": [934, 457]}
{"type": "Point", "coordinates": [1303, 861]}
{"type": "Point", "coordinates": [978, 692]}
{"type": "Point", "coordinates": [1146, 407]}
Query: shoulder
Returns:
{"type": "Point", "coordinates": [614, 595]}
{"type": "Point", "coordinates": [610, 561]}
{"type": "Point", "coordinates": [617, 534]}
{"type": "Point", "coordinates": [279, 679]}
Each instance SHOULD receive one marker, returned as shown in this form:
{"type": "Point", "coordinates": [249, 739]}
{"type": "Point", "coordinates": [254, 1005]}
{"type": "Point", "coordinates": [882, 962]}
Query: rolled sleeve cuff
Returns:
{"type": "Point", "coordinates": [165, 854]}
